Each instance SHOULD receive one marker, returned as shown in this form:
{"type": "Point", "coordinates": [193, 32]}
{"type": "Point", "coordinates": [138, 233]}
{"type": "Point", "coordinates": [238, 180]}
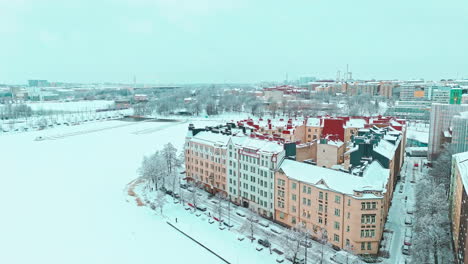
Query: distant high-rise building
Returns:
{"type": "Point", "coordinates": [38, 83]}
{"type": "Point", "coordinates": [441, 120]}
{"type": "Point", "coordinates": [455, 95]}
{"type": "Point", "coordinates": [460, 132]}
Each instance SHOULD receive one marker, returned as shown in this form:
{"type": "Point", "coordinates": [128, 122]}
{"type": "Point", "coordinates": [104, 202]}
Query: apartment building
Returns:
{"type": "Point", "coordinates": [460, 132]}
{"type": "Point", "coordinates": [205, 160]}
{"type": "Point", "coordinates": [346, 194]}
{"type": "Point", "coordinates": [251, 166]}
{"type": "Point", "coordinates": [240, 166]}
{"type": "Point", "coordinates": [441, 121]}
{"type": "Point", "coordinates": [350, 209]}
{"type": "Point", "coordinates": [459, 207]}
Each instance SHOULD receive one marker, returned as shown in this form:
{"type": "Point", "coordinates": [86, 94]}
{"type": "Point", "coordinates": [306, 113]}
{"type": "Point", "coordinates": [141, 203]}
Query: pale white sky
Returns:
{"type": "Point", "coordinates": [172, 41]}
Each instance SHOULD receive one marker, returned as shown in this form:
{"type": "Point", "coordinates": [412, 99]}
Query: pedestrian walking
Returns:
{"type": "Point", "coordinates": [176, 219]}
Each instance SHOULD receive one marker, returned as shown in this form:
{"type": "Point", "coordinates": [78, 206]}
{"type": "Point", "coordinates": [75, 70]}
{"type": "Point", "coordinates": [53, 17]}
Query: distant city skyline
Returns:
{"type": "Point", "coordinates": [216, 41]}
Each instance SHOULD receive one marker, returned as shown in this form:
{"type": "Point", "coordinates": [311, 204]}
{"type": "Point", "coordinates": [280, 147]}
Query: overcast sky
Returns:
{"type": "Point", "coordinates": [184, 41]}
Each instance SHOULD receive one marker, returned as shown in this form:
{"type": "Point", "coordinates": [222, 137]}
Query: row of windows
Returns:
{"type": "Point", "coordinates": [367, 219]}
{"type": "Point", "coordinates": [368, 233]}
{"type": "Point", "coordinates": [368, 205]}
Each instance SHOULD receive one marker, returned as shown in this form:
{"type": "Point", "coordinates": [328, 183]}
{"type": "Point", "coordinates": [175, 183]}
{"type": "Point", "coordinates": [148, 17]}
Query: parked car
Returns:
{"type": "Point", "coordinates": [298, 260]}
{"type": "Point", "coordinates": [408, 232]}
{"type": "Point", "coordinates": [408, 220]}
{"type": "Point", "coordinates": [405, 250]}
{"type": "Point", "coordinates": [276, 231]}
{"type": "Point", "coordinates": [307, 244]}
{"type": "Point", "coordinates": [184, 186]}
{"type": "Point", "coordinates": [410, 210]}
{"type": "Point", "coordinates": [228, 224]}
{"type": "Point", "coordinates": [264, 223]}
{"type": "Point", "coordinates": [190, 189]}
{"type": "Point", "coordinates": [264, 243]}
{"type": "Point", "coordinates": [240, 213]}
{"type": "Point", "coordinates": [407, 241]}
{"type": "Point", "coordinates": [201, 208]}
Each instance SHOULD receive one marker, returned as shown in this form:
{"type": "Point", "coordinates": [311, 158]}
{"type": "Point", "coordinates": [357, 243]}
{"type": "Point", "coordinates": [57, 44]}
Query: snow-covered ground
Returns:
{"type": "Point", "coordinates": [63, 200]}
{"type": "Point", "coordinates": [80, 106]}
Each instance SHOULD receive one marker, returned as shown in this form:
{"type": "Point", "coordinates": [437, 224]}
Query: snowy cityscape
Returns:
{"type": "Point", "coordinates": [233, 132]}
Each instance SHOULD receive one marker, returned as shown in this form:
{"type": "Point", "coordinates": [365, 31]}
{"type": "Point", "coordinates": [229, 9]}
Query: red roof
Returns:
{"type": "Point", "coordinates": [333, 129]}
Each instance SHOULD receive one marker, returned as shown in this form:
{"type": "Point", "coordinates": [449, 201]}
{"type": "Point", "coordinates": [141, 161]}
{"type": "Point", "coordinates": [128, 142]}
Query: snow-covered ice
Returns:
{"type": "Point", "coordinates": [63, 200]}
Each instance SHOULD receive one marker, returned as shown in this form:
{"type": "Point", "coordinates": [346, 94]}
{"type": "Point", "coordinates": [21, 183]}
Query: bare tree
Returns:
{"type": "Point", "coordinates": [160, 201]}
{"type": "Point", "coordinates": [193, 196]}
{"type": "Point", "coordinates": [152, 170]}
{"type": "Point", "coordinates": [292, 243]}
{"type": "Point", "coordinates": [220, 198]}
{"type": "Point", "coordinates": [323, 239]}
{"type": "Point", "coordinates": [250, 225]}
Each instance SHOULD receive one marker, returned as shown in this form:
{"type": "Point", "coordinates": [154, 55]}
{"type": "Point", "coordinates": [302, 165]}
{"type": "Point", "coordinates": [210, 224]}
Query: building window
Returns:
{"type": "Point", "coordinates": [282, 215]}
{"type": "Point", "coordinates": [309, 190]}
{"type": "Point", "coordinates": [337, 199]}
{"type": "Point", "coordinates": [369, 245]}
{"type": "Point", "coordinates": [293, 220]}
{"type": "Point", "coordinates": [336, 238]}
{"type": "Point", "coordinates": [349, 202]}
{"type": "Point", "coordinates": [293, 197]}
{"type": "Point", "coordinates": [347, 242]}
{"type": "Point", "coordinates": [304, 189]}
{"type": "Point", "coordinates": [337, 212]}
{"type": "Point", "coordinates": [293, 185]}
{"type": "Point", "coordinates": [347, 228]}
{"type": "Point", "coordinates": [293, 209]}
{"type": "Point", "coordinates": [337, 225]}
{"type": "Point", "coordinates": [320, 195]}
{"type": "Point", "coordinates": [363, 245]}
{"type": "Point", "coordinates": [320, 220]}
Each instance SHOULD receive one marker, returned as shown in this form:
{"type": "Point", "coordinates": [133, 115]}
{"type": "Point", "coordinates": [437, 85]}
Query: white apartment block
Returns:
{"type": "Point", "coordinates": [251, 166]}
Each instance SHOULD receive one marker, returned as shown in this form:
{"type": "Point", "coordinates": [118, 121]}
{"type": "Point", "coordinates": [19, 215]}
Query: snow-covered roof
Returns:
{"type": "Point", "coordinates": [210, 138]}
{"type": "Point", "coordinates": [257, 144]}
{"type": "Point", "coordinates": [358, 123]}
{"type": "Point", "coordinates": [388, 137]}
{"type": "Point", "coordinates": [374, 178]}
{"type": "Point", "coordinates": [313, 122]}
{"type": "Point", "coordinates": [461, 160]}
{"type": "Point", "coordinates": [421, 136]}
{"type": "Point", "coordinates": [336, 143]}
{"type": "Point", "coordinates": [385, 149]}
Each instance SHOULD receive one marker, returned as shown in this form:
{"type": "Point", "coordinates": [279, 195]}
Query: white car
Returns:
{"type": "Point", "coordinates": [264, 223]}
{"type": "Point", "coordinates": [408, 220]}
{"type": "Point", "coordinates": [276, 230]}
{"type": "Point", "coordinates": [240, 213]}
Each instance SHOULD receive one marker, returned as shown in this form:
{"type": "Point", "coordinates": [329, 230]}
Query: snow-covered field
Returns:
{"type": "Point", "coordinates": [70, 106]}
{"type": "Point", "coordinates": [63, 200]}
